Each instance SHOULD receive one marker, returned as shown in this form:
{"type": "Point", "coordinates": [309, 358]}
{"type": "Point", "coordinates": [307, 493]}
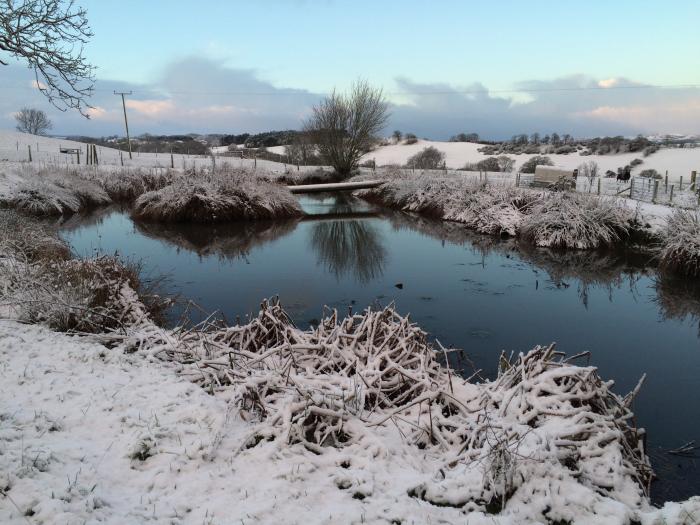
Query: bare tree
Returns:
{"type": "Point", "coordinates": [344, 126]}
{"type": "Point", "coordinates": [49, 35]}
{"type": "Point", "coordinates": [397, 136]}
{"type": "Point", "coordinates": [589, 170]}
{"type": "Point", "coordinates": [32, 121]}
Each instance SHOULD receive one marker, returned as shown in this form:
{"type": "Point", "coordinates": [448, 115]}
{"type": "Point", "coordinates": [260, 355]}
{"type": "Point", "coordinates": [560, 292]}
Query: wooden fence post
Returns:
{"type": "Point", "coordinates": [656, 190]}
{"type": "Point", "coordinates": [670, 199]}
{"type": "Point", "coordinates": [680, 185]}
{"type": "Point", "coordinates": [29, 148]}
{"type": "Point", "coordinates": [632, 188]}
{"type": "Point", "coordinates": [598, 185]}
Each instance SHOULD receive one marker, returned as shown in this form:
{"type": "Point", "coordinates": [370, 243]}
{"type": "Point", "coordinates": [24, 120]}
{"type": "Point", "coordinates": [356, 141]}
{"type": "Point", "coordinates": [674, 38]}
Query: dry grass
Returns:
{"type": "Point", "coordinates": [557, 220]}
{"type": "Point", "coordinates": [40, 283]}
{"type": "Point", "coordinates": [223, 196]}
{"type": "Point", "coordinates": [567, 220]}
{"type": "Point", "coordinates": [53, 191]}
{"type": "Point", "coordinates": [680, 244]}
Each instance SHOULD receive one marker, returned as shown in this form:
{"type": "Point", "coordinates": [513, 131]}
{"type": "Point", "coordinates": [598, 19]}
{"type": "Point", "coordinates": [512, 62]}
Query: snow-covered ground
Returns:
{"type": "Point", "coordinates": [678, 162]}
{"type": "Point", "coordinates": [14, 147]}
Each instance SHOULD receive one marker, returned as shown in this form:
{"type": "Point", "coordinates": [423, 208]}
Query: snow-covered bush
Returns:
{"type": "Point", "coordinates": [429, 158]}
{"type": "Point", "coordinates": [220, 197]}
{"type": "Point", "coordinates": [680, 243]}
{"type": "Point", "coordinates": [538, 160]}
{"type": "Point", "coordinates": [650, 174]}
{"type": "Point", "coordinates": [567, 220]}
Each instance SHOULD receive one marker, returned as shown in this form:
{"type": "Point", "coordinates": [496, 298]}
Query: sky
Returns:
{"type": "Point", "coordinates": [495, 68]}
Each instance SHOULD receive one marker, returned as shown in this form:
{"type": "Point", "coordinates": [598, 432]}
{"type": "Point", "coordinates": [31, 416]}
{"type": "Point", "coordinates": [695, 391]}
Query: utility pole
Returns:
{"type": "Point", "coordinates": [126, 122]}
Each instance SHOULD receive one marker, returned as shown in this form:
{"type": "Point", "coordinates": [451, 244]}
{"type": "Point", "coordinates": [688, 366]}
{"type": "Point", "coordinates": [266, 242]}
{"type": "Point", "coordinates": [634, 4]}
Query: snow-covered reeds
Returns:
{"type": "Point", "coordinates": [568, 220]}
{"type": "Point", "coordinates": [41, 283]}
{"type": "Point", "coordinates": [680, 243]}
{"type": "Point", "coordinates": [217, 197]}
{"type": "Point", "coordinates": [52, 191]}
{"type": "Point", "coordinates": [561, 220]}
{"type": "Point", "coordinates": [127, 184]}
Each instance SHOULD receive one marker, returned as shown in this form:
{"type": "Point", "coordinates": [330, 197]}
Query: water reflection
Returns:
{"type": "Point", "coordinates": [225, 241]}
{"type": "Point", "coordinates": [347, 246]}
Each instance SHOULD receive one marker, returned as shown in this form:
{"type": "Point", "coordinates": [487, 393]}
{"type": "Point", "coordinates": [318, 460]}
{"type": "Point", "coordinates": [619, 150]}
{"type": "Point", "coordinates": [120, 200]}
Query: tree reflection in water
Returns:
{"type": "Point", "coordinates": [348, 246]}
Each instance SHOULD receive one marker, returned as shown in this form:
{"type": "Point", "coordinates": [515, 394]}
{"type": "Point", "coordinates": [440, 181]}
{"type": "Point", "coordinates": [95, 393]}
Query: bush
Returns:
{"type": "Point", "coordinates": [505, 163]}
{"type": "Point", "coordinates": [538, 160]}
{"type": "Point", "coordinates": [410, 138]}
{"type": "Point", "coordinates": [650, 149]}
{"type": "Point", "coordinates": [651, 174]}
{"type": "Point", "coordinates": [636, 162]}
{"type": "Point", "coordinates": [488, 164]}
{"type": "Point", "coordinates": [429, 158]}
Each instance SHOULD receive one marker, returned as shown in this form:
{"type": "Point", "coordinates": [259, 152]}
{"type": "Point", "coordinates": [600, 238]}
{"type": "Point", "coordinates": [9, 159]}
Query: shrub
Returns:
{"type": "Point", "coordinates": [410, 138]}
{"type": "Point", "coordinates": [488, 164]}
{"type": "Point", "coordinates": [636, 162]}
{"type": "Point", "coordinates": [651, 174]}
{"type": "Point", "coordinates": [55, 195]}
{"type": "Point", "coordinates": [505, 163]}
{"type": "Point", "coordinates": [429, 158]}
{"type": "Point", "coordinates": [680, 245]}
{"type": "Point", "coordinates": [538, 160]}
{"type": "Point", "coordinates": [650, 149]}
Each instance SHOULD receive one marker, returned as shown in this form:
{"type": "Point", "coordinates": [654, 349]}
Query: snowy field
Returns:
{"type": "Point", "coordinates": [14, 147]}
{"type": "Point", "coordinates": [678, 162]}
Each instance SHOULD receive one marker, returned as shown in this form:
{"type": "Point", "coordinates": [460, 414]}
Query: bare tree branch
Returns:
{"type": "Point", "coordinates": [49, 35]}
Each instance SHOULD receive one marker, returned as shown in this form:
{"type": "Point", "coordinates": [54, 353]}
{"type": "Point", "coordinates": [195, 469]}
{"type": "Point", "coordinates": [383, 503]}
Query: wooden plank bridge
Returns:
{"type": "Point", "coordinates": [336, 186]}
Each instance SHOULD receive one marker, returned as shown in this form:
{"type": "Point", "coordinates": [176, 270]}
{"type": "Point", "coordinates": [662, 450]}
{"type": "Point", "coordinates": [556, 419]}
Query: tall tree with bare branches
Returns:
{"type": "Point", "coordinates": [344, 126]}
{"type": "Point", "coordinates": [49, 36]}
{"type": "Point", "coordinates": [32, 121]}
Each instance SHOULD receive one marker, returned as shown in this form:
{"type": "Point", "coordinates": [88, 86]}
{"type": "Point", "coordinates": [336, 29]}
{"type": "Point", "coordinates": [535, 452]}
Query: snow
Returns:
{"type": "Point", "coordinates": [279, 150]}
{"type": "Point", "coordinates": [75, 415]}
{"type": "Point", "coordinates": [45, 151]}
{"type": "Point", "coordinates": [679, 162]}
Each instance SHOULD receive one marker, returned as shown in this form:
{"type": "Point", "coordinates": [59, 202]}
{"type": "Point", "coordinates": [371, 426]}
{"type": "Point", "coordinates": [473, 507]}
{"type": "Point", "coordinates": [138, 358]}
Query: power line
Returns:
{"type": "Point", "coordinates": [283, 92]}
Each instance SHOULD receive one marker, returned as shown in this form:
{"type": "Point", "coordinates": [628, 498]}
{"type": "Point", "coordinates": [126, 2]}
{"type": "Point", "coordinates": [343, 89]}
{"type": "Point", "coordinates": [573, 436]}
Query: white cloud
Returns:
{"type": "Point", "coordinates": [204, 95]}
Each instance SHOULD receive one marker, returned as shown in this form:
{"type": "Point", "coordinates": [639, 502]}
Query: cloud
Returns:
{"type": "Point", "coordinates": [577, 104]}
{"type": "Point", "coordinates": [202, 95]}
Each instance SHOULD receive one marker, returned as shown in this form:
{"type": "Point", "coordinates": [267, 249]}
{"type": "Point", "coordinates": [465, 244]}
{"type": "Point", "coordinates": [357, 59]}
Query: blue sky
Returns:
{"type": "Point", "coordinates": [189, 64]}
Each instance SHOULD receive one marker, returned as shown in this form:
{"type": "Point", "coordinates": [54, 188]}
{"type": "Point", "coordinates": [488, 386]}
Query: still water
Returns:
{"type": "Point", "coordinates": [472, 292]}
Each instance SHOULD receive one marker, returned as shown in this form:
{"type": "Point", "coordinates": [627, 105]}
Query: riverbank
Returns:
{"type": "Point", "coordinates": [544, 218]}
{"type": "Point", "coordinates": [354, 420]}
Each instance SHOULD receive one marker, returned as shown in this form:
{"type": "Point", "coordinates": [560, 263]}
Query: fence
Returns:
{"type": "Point", "coordinates": [658, 191]}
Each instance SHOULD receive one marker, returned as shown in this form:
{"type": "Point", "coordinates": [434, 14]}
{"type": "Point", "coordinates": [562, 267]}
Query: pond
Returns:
{"type": "Point", "coordinates": [477, 293]}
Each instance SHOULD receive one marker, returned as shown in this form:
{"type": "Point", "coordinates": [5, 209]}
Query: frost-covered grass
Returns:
{"type": "Point", "coordinates": [50, 191]}
{"type": "Point", "coordinates": [543, 218]}
{"type": "Point", "coordinates": [568, 220]}
{"type": "Point", "coordinates": [680, 243]}
{"type": "Point", "coordinates": [219, 197]}
{"type": "Point", "coordinates": [127, 184]}
{"type": "Point", "coordinates": [41, 283]}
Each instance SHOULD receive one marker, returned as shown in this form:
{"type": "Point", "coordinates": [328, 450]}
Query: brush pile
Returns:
{"type": "Point", "coordinates": [370, 385]}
